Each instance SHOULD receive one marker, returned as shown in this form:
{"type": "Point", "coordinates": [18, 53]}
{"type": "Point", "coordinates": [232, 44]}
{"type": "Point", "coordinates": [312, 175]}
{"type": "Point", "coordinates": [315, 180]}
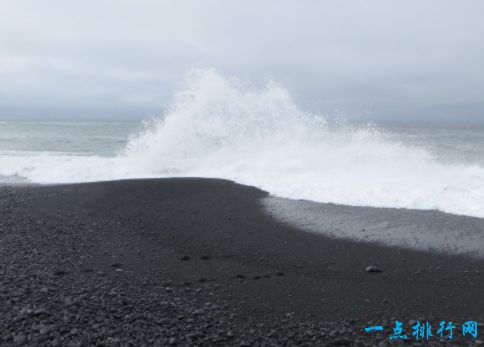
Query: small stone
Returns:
{"type": "Point", "coordinates": [172, 341]}
{"type": "Point", "coordinates": [40, 312]}
{"type": "Point", "coordinates": [19, 338]}
{"type": "Point", "coordinates": [185, 258]}
{"type": "Point", "coordinates": [280, 274]}
{"type": "Point", "coordinates": [113, 292]}
{"type": "Point", "coordinates": [44, 329]}
{"type": "Point", "coordinates": [373, 268]}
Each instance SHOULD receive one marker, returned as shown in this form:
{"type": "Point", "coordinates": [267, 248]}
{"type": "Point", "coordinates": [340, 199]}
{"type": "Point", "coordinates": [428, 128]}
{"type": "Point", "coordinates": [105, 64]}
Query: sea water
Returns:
{"type": "Point", "coordinates": [222, 127]}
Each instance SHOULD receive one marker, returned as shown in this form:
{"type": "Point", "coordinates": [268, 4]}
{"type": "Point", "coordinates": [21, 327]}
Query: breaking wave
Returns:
{"type": "Point", "coordinates": [225, 128]}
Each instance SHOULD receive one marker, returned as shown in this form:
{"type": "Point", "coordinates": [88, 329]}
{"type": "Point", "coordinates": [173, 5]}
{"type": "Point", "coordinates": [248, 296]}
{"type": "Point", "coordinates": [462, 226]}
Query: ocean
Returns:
{"type": "Point", "coordinates": [218, 127]}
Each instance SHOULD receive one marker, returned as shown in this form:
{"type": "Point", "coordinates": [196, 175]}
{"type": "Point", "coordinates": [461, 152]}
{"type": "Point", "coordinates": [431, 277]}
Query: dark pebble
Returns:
{"type": "Point", "coordinates": [60, 273]}
{"type": "Point", "coordinates": [373, 268]}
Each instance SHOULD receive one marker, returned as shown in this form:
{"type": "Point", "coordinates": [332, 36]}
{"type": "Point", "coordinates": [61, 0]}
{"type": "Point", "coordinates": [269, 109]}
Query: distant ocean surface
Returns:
{"type": "Point", "coordinates": [216, 127]}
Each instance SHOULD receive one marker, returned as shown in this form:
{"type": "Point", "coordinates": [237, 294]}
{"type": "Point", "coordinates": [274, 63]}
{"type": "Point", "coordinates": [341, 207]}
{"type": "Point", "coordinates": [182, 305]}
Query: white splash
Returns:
{"type": "Point", "coordinates": [221, 127]}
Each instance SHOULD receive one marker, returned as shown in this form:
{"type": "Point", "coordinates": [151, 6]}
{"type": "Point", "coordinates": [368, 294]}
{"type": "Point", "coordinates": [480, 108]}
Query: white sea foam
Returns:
{"type": "Point", "coordinates": [221, 127]}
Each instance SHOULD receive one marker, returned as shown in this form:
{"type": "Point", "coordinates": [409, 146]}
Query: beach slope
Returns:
{"type": "Point", "coordinates": [198, 261]}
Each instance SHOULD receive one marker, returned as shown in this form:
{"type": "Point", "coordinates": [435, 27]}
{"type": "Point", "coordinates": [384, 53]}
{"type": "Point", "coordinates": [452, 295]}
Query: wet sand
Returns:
{"type": "Point", "coordinates": [200, 261]}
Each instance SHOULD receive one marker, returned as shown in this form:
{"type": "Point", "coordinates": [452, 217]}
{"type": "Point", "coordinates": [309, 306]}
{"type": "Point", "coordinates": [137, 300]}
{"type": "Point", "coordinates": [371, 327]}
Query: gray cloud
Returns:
{"type": "Point", "coordinates": [373, 59]}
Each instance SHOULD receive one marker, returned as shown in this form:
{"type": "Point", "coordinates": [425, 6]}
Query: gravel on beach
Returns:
{"type": "Point", "coordinates": [186, 262]}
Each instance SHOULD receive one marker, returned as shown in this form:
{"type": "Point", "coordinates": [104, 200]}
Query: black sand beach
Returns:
{"type": "Point", "coordinates": [198, 262]}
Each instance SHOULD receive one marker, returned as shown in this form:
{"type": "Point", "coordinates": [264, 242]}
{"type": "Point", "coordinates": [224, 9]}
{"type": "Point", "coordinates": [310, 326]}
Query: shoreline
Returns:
{"type": "Point", "coordinates": [430, 231]}
{"type": "Point", "coordinates": [200, 255]}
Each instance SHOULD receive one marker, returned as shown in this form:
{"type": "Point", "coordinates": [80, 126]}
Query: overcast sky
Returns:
{"type": "Point", "coordinates": [406, 60]}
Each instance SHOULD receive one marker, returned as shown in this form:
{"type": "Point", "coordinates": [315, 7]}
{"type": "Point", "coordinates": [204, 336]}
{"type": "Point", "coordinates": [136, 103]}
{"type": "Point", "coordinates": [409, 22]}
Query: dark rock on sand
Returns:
{"type": "Point", "coordinates": [372, 268]}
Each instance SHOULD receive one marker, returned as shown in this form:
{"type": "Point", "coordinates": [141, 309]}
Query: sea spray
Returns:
{"type": "Point", "coordinates": [221, 127]}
